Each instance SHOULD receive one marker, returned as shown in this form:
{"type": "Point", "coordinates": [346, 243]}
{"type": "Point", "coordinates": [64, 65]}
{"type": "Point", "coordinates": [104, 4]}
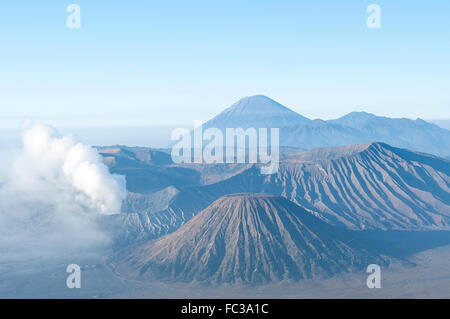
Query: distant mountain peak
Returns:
{"type": "Point", "coordinates": [256, 111]}
{"type": "Point", "coordinates": [361, 114]}
{"type": "Point", "coordinates": [259, 103]}
{"type": "Point", "coordinates": [255, 98]}
{"type": "Point", "coordinates": [358, 116]}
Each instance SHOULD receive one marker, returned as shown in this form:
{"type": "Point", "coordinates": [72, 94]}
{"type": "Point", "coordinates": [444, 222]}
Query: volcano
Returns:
{"type": "Point", "coordinates": [256, 111]}
{"type": "Point", "coordinates": [250, 238]}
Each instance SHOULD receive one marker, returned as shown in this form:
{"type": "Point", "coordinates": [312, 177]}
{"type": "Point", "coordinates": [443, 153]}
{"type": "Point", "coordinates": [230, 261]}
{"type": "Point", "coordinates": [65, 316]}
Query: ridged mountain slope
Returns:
{"type": "Point", "coordinates": [249, 238]}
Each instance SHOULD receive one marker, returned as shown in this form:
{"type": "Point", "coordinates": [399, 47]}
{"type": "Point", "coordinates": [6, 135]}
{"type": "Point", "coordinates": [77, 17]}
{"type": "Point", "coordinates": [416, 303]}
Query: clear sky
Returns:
{"type": "Point", "coordinates": [171, 62]}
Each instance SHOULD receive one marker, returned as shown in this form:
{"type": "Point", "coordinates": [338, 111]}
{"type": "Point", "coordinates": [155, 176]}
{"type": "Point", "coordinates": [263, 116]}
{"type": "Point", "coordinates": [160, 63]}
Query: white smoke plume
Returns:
{"type": "Point", "coordinates": [52, 192]}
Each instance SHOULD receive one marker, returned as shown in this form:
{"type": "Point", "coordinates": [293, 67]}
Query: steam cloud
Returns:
{"type": "Point", "coordinates": [52, 193]}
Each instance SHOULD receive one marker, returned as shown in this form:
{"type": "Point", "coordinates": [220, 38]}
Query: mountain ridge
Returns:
{"type": "Point", "coordinates": [367, 186]}
{"type": "Point", "coordinates": [353, 128]}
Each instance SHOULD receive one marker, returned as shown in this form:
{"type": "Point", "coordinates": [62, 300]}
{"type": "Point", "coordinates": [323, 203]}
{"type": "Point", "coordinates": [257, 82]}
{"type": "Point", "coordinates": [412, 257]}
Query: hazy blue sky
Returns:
{"type": "Point", "coordinates": [170, 62]}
